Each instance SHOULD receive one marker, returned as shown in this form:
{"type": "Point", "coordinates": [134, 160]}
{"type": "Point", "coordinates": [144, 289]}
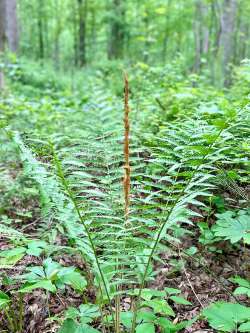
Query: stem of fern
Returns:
{"type": "Point", "coordinates": [126, 186]}
{"type": "Point", "coordinates": [9, 319]}
{"type": "Point", "coordinates": [21, 311]}
{"type": "Point", "coordinates": [126, 181]}
{"type": "Point", "coordinates": [160, 231]}
{"type": "Point", "coordinates": [70, 194]}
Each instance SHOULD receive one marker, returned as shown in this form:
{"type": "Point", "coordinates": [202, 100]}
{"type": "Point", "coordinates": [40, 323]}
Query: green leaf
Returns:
{"type": "Point", "coordinates": [72, 313]}
{"type": "Point", "coordinates": [225, 316]}
{"type": "Point", "coordinates": [233, 229]}
{"type": "Point", "coordinates": [244, 327]}
{"type": "Point", "coordinates": [76, 280]}
{"type": "Point", "coordinates": [191, 250]}
{"type": "Point", "coordinates": [242, 291]}
{"type": "Point", "coordinates": [240, 281]}
{"type": "Point", "coordinates": [43, 284]}
{"type": "Point", "coordinates": [244, 288]}
{"type": "Point", "coordinates": [51, 268]}
{"type": "Point", "coordinates": [11, 257]}
{"type": "Point", "coordinates": [169, 327]}
{"type": "Point", "coordinates": [172, 291]}
{"type": "Point", "coordinates": [146, 316]}
{"type": "Point", "coordinates": [35, 248]}
{"type": "Point", "coordinates": [69, 326]}
{"type": "Point", "coordinates": [86, 329]}
{"type": "Point", "coordinates": [147, 294]}
{"type": "Point", "coordinates": [88, 312]}
{"type": "Point", "coordinates": [145, 328]}
{"type": "Point", "coordinates": [4, 299]}
{"type": "Point", "coordinates": [160, 306]}
{"type": "Point", "coordinates": [126, 319]}
{"type": "Point", "coordinates": [180, 300]}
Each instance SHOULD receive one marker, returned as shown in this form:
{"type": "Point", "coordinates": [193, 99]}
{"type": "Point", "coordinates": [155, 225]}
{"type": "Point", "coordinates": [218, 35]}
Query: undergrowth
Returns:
{"type": "Point", "coordinates": [119, 198]}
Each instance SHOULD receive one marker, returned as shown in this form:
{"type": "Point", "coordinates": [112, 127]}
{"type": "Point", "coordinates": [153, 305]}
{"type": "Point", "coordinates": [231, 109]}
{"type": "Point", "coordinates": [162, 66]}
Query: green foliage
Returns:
{"type": "Point", "coordinates": [207, 236]}
{"type": "Point", "coordinates": [233, 227]}
{"type": "Point", "coordinates": [244, 286]}
{"type": "Point", "coordinates": [51, 276]}
{"type": "Point", "coordinates": [162, 31]}
{"type": "Point", "coordinates": [71, 326]}
{"type": "Point", "coordinates": [69, 147]}
{"type": "Point", "coordinates": [14, 319]}
{"type": "Point", "coordinates": [4, 300]}
{"type": "Point", "coordinates": [10, 257]}
{"type": "Point", "coordinates": [241, 85]}
{"type": "Point", "coordinates": [227, 317]}
{"type": "Point", "coordinates": [78, 320]}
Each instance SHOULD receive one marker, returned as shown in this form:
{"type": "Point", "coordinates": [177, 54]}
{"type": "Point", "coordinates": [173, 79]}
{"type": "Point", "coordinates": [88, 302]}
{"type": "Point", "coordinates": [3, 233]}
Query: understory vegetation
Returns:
{"type": "Point", "coordinates": [124, 202]}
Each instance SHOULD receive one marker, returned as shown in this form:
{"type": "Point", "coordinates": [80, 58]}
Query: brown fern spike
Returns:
{"type": "Point", "coordinates": [126, 181]}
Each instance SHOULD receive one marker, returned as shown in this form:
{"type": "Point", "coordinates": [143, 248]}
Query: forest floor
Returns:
{"type": "Point", "coordinates": [202, 275]}
{"type": "Point", "coordinates": [202, 278]}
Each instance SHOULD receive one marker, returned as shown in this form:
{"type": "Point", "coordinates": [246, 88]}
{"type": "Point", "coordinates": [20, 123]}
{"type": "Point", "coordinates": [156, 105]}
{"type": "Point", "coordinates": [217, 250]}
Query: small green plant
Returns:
{"type": "Point", "coordinates": [244, 286]}
{"type": "Point", "coordinates": [52, 276]}
{"type": "Point", "coordinates": [154, 313]}
{"type": "Point", "coordinates": [79, 320]}
{"type": "Point", "coordinates": [207, 237]}
{"type": "Point", "coordinates": [13, 310]}
{"type": "Point", "coordinates": [9, 258]}
{"type": "Point", "coordinates": [233, 226]}
{"type": "Point", "coordinates": [228, 317]}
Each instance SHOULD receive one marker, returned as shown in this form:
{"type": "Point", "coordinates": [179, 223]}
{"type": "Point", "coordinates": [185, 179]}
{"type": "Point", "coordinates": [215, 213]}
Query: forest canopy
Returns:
{"type": "Point", "coordinates": [210, 35]}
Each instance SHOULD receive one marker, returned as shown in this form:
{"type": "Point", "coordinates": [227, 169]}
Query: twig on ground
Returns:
{"type": "Point", "coordinates": [189, 282]}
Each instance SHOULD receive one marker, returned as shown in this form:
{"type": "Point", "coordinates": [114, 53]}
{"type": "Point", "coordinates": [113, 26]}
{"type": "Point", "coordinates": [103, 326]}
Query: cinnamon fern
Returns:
{"type": "Point", "coordinates": [122, 233]}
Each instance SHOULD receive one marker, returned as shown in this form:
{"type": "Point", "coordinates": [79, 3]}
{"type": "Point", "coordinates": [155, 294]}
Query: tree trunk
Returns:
{"type": "Point", "coordinates": [11, 25]}
{"type": "Point", "coordinates": [146, 22]}
{"type": "Point", "coordinates": [2, 36]}
{"type": "Point", "coordinates": [58, 29]}
{"type": "Point", "coordinates": [214, 32]}
{"type": "Point", "coordinates": [116, 43]}
{"type": "Point", "coordinates": [241, 35]}
{"type": "Point", "coordinates": [166, 32]}
{"type": "Point", "coordinates": [82, 31]}
{"type": "Point", "coordinates": [228, 21]}
{"type": "Point", "coordinates": [40, 30]}
{"type": "Point", "coordinates": [75, 33]}
{"type": "Point", "coordinates": [93, 30]}
{"type": "Point", "coordinates": [201, 33]}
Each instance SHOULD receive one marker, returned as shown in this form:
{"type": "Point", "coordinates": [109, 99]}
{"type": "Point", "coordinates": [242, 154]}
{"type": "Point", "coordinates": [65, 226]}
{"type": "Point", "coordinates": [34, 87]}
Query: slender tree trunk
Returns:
{"type": "Point", "coordinates": [166, 32]}
{"type": "Point", "coordinates": [116, 41]}
{"type": "Point", "coordinates": [228, 22]}
{"type": "Point", "coordinates": [40, 30]}
{"type": "Point", "coordinates": [213, 37]}
{"type": "Point", "coordinates": [82, 31]}
{"type": "Point", "coordinates": [241, 35]}
{"type": "Point", "coordinates": [75, 33]}
{"type": "Point", "coordinates": [57, 35]}
{"type": "Point", "coordinates": [2, 37]}
{"type": "Point", "coordinates": [93, 30]}
{"type": "Point", "coordinates": [244, 41]}
{"type": "Point", "coordinates": [11, 25]}
{"type": "Point", "coordinates": [218, 13]}
{"type": "Point", "coordinates": [147, 43]}
{"type": "Point", "coordinates": [201, 33]}
{"type": "Point", "coordinates": [197, 35]}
